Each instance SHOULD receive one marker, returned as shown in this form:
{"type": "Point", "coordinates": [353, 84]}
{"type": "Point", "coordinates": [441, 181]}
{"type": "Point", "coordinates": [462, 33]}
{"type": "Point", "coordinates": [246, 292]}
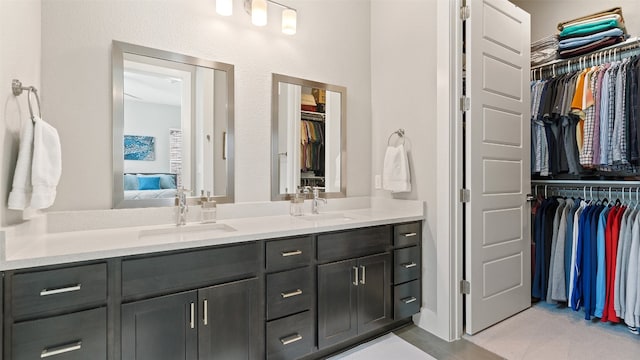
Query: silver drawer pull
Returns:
{"type": "Point", "coordinates": [363, 279]}
{"type": "Point", "coordinates": [290, 339]}
{"type": "Point", "coordinates": [409, 265]}
{"type": "Point", "coordinates": [408, 300]}
{"type": "Point", "coordinates": [61, 349]}
{"type": "Point", "coordinates": [355, 276]}
{"type": "Point", "coordinates": [291, 253]}
{"type": "Point", "coordinates": [291, 294]}
{"type": "Point", "coordinates": [205, 312]}
{"type": "Point", "coordinates": [409, 234]}
{"type": "Point", "coordinates": [192, 316]}
{"type": "Point", "coordinates": [67, 289]}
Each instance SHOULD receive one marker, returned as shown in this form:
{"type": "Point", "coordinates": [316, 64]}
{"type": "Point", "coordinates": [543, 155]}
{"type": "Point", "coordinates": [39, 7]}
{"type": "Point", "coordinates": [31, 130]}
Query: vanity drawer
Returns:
{"type": "Point", "coordinates": [288, 253]}
{"type": "Point", "coordinates": [76, 336]}
{"type": "Point", "coordinates": [46, 292]}
{"type": "Point", "coordinates": [407, 234]}
{"type": "Point", "coordinates": [353, 243]}
{"type": "Point", "coordinates": [290, 337]}
{"type": "Point", "coordinates": [163, 274]}
{"type": "Point", "coordinates": [406, 299]}
{"type": "Point", "coordinates": [289, 292]}
{"type": "Point", "coordinates": [406, 264]}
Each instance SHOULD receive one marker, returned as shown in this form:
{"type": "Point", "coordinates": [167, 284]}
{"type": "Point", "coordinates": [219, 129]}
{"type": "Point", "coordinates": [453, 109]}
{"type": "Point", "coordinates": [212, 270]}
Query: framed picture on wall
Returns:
{"type": "Point", "coordinates": [137, 147]}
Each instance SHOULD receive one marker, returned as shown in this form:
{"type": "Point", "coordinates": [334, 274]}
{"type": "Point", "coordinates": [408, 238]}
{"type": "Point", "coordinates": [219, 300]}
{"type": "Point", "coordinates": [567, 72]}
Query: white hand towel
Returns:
{"type": "Point", "coordinates": [47, 164]}
{"type": "Point", "coordinates": [20, 195]}
{"type": "Point", "coordinates": [395, 172]}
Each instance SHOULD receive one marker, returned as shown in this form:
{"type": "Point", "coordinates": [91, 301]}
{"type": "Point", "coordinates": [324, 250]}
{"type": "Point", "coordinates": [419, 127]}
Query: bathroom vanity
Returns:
{"type": "Point", "coordinates": [324, 285]}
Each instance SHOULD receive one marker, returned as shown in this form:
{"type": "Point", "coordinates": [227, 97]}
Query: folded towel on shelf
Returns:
{"type": "Point", "coordinates": [20, 195]}
{"type": "Point", "coordinates": [595, 16]}
{"type": "Point", "coordinates": [395, 172]}
{"type": "Point", "coordinates": [588, 28]}
{"type": "Point", "coordinates": [46, 167]}
{"type": "Point", "coordinates": [308, 99]}
{"type": "Point", "coordinates": [591, 47]}
{"type": "Point", "coordinates": [544, 50]}
{"type": "Point", "coordinates": [585, 40]}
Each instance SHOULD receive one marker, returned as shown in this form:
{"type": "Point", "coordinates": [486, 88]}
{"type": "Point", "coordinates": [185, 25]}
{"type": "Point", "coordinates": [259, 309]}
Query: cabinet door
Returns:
{"type": "Point", "coordinates": [337, 303]}
{"type": "Point", "coordinates": [160, 328]}
{"type": "Point", "coordinates": [374, 292]}
{"type": "Point", "coordinates": [230, 323]}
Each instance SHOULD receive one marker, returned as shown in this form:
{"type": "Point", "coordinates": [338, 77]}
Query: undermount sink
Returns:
{"type": "Point", "coordinates": [188, 232]}
{"type": "Point", "coordinates": [325, 217]}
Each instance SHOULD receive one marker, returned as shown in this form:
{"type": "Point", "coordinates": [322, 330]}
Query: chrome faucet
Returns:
{"type": "Point", "coordinates": [316, 199]}
{"type": "Point", "coordinates": [182, 207]}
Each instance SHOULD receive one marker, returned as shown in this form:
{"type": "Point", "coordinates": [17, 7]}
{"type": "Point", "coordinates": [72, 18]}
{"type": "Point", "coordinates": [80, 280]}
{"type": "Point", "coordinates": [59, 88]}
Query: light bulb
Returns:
{"type": "Point", "coordinates": [224, 7]}
{"type": "Point", "coordinates": [259, 12]}
{"type": "Point", "coordinates": [289, 17]}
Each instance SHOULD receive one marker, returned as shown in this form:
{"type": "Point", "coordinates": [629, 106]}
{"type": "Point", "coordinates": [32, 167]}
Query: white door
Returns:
{"type": "Point", "coordinates": [497, 157]}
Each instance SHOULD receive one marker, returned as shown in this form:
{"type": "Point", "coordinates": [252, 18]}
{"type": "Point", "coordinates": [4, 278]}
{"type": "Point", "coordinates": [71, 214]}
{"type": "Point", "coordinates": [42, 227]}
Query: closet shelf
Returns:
{"type": "Point", "coordinates": [632, 43]}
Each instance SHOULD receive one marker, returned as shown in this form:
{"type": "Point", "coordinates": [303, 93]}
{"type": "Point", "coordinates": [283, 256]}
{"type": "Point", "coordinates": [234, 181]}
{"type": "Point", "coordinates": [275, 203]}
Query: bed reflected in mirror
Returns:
{"type": "Point", "coordinates": [173, 127]}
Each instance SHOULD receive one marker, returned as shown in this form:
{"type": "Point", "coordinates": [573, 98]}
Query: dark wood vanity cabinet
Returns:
{"type": "Point", "coordinates": [218, 322]}
{"type": "Point", "coordinates": [221, 321]}
{"type": "Point", "coordinates": [58, 312]}
{"type": "Point", "coordinates": [354, 295]}
{"type": "Point", "coordinates": [291, 298]}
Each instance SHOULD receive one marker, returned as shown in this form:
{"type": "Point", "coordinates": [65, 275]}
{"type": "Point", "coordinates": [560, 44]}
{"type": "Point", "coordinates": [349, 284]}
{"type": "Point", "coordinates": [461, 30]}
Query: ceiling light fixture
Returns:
{"type": "Point", "coordinates": [258, 11]}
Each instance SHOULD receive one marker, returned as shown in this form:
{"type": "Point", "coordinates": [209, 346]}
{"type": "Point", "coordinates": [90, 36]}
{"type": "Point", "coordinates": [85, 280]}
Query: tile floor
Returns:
{"type": "Point", "coordinates": [542, 332]}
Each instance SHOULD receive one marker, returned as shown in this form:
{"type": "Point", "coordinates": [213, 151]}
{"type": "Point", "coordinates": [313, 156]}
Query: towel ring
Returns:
{"type": "Point", "coordinates": [400, 133]}
{"type": "Point", "coordinates": [17, 89]}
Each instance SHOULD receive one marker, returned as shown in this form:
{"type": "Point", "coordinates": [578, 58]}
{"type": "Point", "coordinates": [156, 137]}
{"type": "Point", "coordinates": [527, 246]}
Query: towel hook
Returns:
{"type": "Point", "coordinates": [400, 133]}
{"type": "Point", "coordinates": [17, 89]}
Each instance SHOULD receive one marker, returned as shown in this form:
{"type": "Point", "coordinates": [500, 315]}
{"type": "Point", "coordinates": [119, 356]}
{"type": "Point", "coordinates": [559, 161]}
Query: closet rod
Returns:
{"type": "Point", "coordinates": [605, 53]}
{"type": "Point", "coordinates": [582, 183]}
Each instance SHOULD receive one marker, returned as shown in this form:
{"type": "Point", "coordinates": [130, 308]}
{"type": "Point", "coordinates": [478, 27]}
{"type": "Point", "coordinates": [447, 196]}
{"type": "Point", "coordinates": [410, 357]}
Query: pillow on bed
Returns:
{"type": "Point", "coordinates": [167, 182]}
{"type": "Point", "coordinates": [148, 182]}
{"type": "Point", "coordinates": [130, 182]}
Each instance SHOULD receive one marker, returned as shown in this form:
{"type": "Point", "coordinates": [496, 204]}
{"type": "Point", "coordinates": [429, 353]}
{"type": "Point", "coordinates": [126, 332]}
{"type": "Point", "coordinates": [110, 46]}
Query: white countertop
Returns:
{"type": "Point", "coordinates": [23, 248]}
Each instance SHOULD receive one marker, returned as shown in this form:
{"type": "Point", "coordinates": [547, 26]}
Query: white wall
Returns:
{"type": "Point", "coordinates": [155, 120]}
{"type": "Point", "coordinates": [19, 59]}
{"type": "Point", "coordinates": [546, 14]}
{"type": "Point", "coordinates": [332, 45]}
{"type": "Point", "coordinates": [404, 95]}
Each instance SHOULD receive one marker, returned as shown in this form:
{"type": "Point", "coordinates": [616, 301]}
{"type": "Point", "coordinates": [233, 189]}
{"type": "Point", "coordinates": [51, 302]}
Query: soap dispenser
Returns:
{"type": "Point", "coordinates": [209, 207]}
{"type": "Point", "coordinates": [297, 203]}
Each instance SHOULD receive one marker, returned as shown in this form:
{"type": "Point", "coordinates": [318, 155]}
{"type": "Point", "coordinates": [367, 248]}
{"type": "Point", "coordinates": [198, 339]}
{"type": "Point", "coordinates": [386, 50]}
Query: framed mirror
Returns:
{"type": "Point", "coordinates": [172, 127]}
{"type": "Point", "coordinates": [308, 141]}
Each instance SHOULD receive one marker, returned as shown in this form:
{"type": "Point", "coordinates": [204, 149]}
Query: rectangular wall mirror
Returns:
{"type": "Point", "coordinates": [172, 126]}
{"type": "Point", "coordinates": [308, 143]}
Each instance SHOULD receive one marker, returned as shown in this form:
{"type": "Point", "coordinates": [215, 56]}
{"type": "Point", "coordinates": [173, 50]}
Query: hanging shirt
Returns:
{"type": "Point", "coordinates": [601, 269]}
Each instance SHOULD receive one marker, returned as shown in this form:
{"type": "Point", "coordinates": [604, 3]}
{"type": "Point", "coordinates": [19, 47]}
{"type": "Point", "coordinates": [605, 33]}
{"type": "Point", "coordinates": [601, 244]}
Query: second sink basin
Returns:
{"type": "Point", "coordinates": [188, 232]}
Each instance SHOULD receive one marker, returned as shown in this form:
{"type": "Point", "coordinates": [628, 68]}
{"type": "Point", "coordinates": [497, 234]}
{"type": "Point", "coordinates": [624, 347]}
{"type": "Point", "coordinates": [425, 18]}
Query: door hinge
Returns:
{"type": "Point", "coordinates": [465, 12]}
{"type": "Point", "coordinates": [465, 287]}
{"type": "Point", "coordinates": [465, 103]}
{"type": "Point", "coordinates": [465, 195]}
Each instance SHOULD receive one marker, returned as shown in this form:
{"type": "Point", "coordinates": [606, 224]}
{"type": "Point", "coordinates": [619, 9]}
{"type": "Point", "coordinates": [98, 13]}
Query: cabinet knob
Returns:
{"type": "Point", "coordinates": [409, 265]}
{"type": "Point", "coordinates": [363, 279]}
{"type": "Point", "coordinates": [410, 234]}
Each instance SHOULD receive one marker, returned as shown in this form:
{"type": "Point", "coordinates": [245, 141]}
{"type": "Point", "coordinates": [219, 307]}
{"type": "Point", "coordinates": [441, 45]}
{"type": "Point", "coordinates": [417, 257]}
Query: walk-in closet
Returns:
{"type": "Point", "coordinates": [585, 158]}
